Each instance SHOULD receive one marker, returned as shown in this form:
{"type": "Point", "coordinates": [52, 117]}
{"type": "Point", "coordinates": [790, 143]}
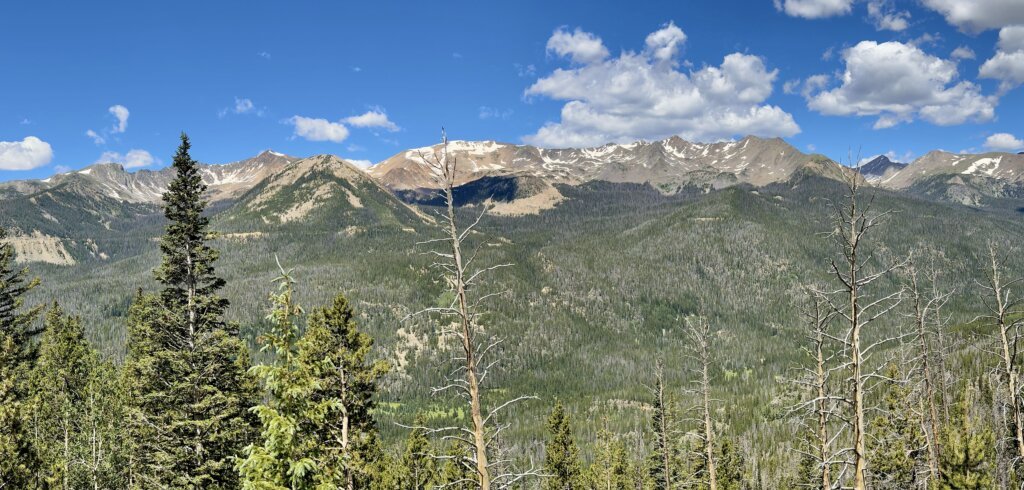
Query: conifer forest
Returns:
{"type": "Point", "coordinates": [530, 245]}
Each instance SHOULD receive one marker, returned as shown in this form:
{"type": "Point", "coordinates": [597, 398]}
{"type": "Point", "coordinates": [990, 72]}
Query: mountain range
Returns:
{"type": "Point", "coordinates": [514, 179]}
{"type": "Point", "coordinates": [611, 246]}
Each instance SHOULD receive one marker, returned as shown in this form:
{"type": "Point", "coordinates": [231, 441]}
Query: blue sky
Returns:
{"type": "Point", "coordinates": [366, 80]}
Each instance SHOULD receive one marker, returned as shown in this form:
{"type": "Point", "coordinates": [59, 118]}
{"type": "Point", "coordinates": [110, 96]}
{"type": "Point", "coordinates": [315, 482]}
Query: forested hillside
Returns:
{"type": "Point", "coordinates": [316, 331]}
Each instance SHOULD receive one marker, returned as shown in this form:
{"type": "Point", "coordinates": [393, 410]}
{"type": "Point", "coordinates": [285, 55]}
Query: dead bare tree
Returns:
{"type": "Point", "coordinates": [457, 271]}
{"type": "Point", "coordinates": [858, 306]}
{"type": "Point", "coordinates": [698, 332]}
{"type": "Point", "coordinates": [927, 307]}
{"type": "Point", "coordinates": [818, 411]}
{"type": "Point", "coordinates": [1004, 313]}
{"type": "Point", "coordinates": [662, 428]}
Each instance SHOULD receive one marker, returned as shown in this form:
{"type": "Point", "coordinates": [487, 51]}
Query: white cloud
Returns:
{"type": "Point", "coordinates": [963, 53]}
{"type": "Point", "coordinates": [640, 96]}
{"type": "Point", "coordinates": [664, 44]}
{"type": "Point", "coordinates": [582, 47]}
{"type": "Point", "coordinates": [374, 118]}
{"type": "Point", "coordinates": [1007, 65]}
{"type": "Point", "coordinates": [314, 129]}
{"type": "Point", "coordinates": [886, 17]}
{"type": "Point", "coordinates": [263, 54]}
{"type": "Point", "coordinates": [242, 106]}
{"type": "Point", "coordinates": [814, 9]}
{"type": "Point", "coordinates": [979, 15]}
{"type": "Point", "coordinates": [899, 82]}
{"type": "Point", "coordinates": [121, 113]}
{"type": "Point", "coordinates": [363, 164]}
{"type": "Point", "coordinates": [132, 159]}
{"type": "Point", "coordinates": [1011, 38]}
{"type": "Point", "coordinates": [26, 154]}
{"type": "Point", "coordinates": [96, 138]}
{"type": "Point", "coordinates": [1004, 142]}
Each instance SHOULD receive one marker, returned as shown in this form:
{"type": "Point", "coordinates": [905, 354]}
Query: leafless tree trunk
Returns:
{"type": "Point", "coordinates": [857, 306]}
{"type": "Point", "coordinates": [819, 319]}
{"type": "Point", "coordinates": [454, 265]}
{"type": "Point", "coordinates": [926, 308]}
{"type": "Point", "coordinates": [1003, 306]}
{"type": "Point", "coordinates": [663, 427]}
{"type": "Point", "coordinates": [699, 336]}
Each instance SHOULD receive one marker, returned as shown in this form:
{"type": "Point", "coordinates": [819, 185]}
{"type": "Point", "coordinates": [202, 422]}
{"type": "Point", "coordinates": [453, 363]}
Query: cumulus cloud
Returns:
{"type": "Point", "coordinates": [899, 82]}
{"type": "Point", "coordinates": [132, 159]}
{"type": "Point", "coordinates": [26, 154]}
{"type": "Point", "coordinates": [814, 9]}
{"type": "Point", "coordinates": [664, 44]}
{"type": "Point", "coordinates": [1007, 65]}
{"type": "Point", "coordinates": [121, 113]}
{"type": "Point", "coordinates": [886, 17]}
{"type": "Point", "coordinates": [1004, 142]}
{"type": "Point", "coordinates": [374, 118]}
{"type": "Point", "coordinates": [581, 47]}
{"type": "Point", "coordinates": [316, 129]}
{"type": "Point", "coordinates": [645, 95]}
{"type": "Point", "coordinates": [979, 15]}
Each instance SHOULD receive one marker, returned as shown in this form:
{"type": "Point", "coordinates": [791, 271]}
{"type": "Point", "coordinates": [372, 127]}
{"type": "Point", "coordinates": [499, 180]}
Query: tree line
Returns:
{"type": "Point", "coordinates": [188, 409]}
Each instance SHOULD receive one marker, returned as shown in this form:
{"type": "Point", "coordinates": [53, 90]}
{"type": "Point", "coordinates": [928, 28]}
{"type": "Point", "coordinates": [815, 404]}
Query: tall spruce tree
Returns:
{"type": "Point", "coordinates": [561, 455]}
{"type": "Point", "coordinates": [192, 387]}
{"type": "Point", "coordinates": [287, 455]}
{"type": "Point", "coordinates": [17, 355]}
{"type": "Point", "coordinates": [337, 353]}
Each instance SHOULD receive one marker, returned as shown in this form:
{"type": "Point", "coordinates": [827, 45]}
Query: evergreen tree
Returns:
{"type": "Point", "coordinates": [59, 382]}
{"type": "Point", "coordinates": [457, 470]}
{"type": "Point", "coordinates": [104, 435]}
{"type": "Point", "coordinates": [731, 464]}
{"type": "Point", "coordinates": [75, 412]}
{"type": "Point", "coordinates": [610, 469]}
{"type": "Point", "coordinates": [191, 383]}
{"type": "Point", "coordinates": [967, 458]}
{"type": "Point", "coordinates": [17, 354]}
{"type": "Point", "coordinates": [418, 466]}
{"type": "Point", "coordinates": [895, 448]}
{"type": "Point", "coordinates": [288, 456]}
{"type": "Point", "coordinates": [561, 456]}
{"type": "Point", "coordinates": [337, 354]}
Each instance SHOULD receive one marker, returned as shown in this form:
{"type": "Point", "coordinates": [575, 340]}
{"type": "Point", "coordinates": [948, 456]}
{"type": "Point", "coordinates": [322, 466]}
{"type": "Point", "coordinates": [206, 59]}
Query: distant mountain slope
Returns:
{"type": "Point", "coordinates": [225, 181]}
{"type": "Point", "coordinates": [316, 192]}
{"type": "Point", "coordinates": [668, 164]}
{"type": "Point", "coordinates": [879, 168]}
{"type": "Point", "coordinates": [972, 180]}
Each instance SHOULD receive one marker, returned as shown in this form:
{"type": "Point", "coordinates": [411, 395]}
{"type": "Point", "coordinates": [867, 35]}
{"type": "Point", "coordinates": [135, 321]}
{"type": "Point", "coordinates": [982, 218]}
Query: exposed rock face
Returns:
{"type": "Point", "coordinates": [666, 164]}
{"type": "Point", "coordinates": [224, 182]}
